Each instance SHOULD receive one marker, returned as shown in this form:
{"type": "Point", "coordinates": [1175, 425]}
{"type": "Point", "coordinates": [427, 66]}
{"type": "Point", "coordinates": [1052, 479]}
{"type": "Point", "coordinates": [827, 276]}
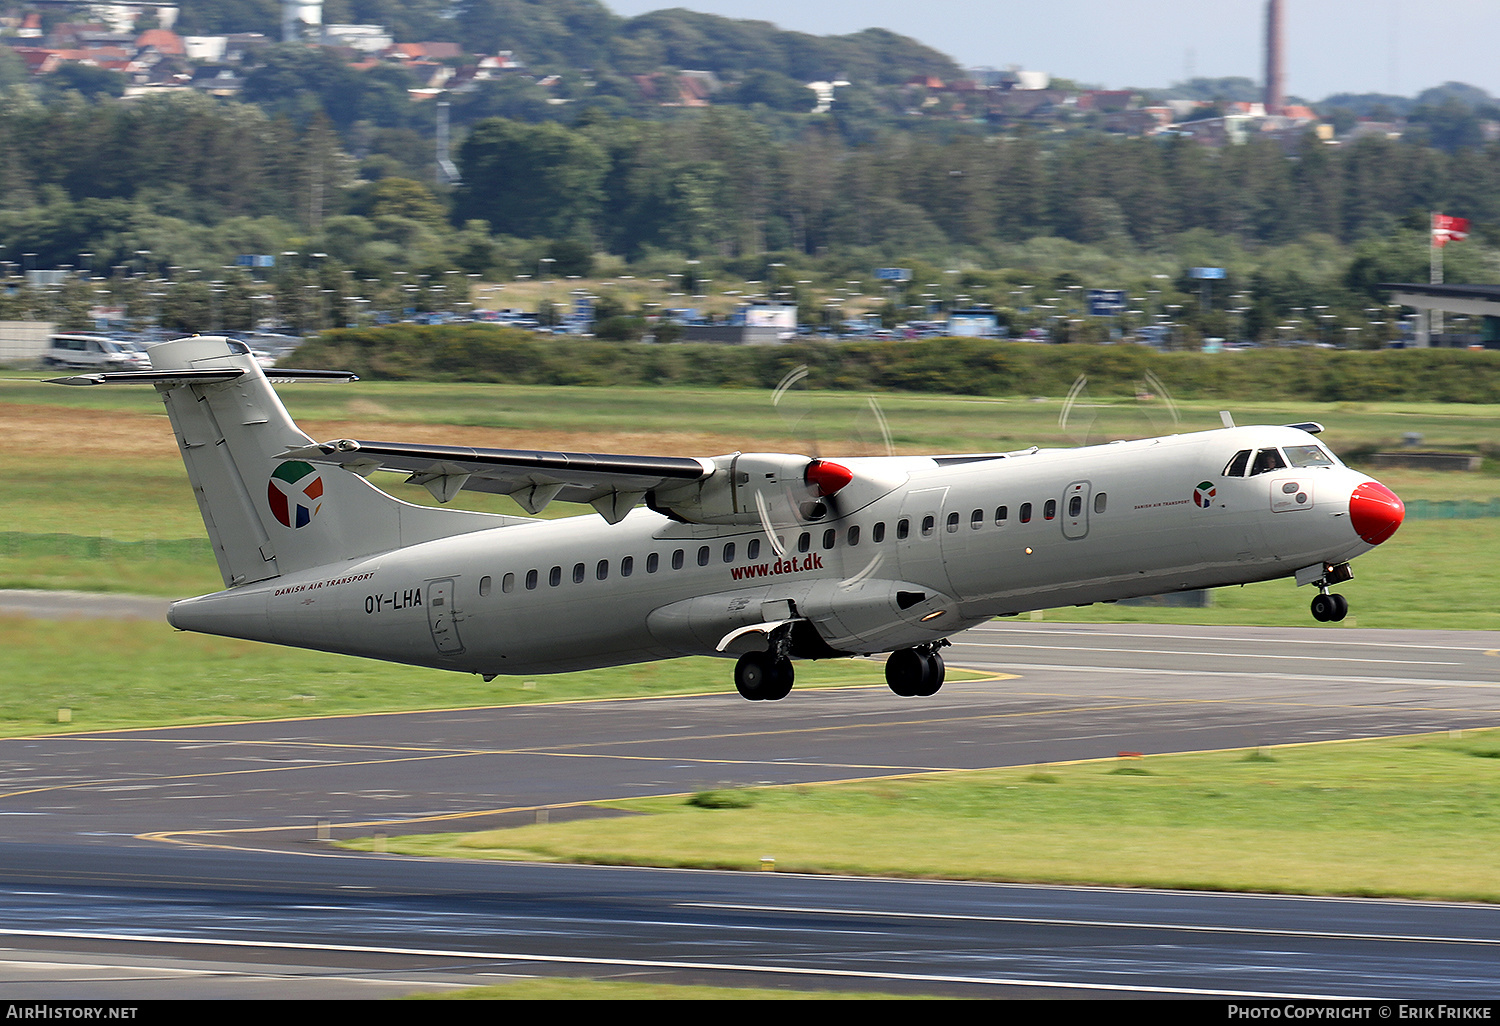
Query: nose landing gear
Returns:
{"type": "Point", "coordinates": [916, 672]}
{"type": "Point", "coordinates": [1326, 606]}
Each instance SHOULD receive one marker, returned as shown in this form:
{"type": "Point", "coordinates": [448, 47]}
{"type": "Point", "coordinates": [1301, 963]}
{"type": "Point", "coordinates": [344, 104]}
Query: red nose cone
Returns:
{"type": "Point", "coordinates": [827, 477]}
{"type": "Point", "coordinates": [1375, 511]}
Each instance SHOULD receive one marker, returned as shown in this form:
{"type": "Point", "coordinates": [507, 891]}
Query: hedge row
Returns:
{"type": "Point", "coordinates": [953, 366]}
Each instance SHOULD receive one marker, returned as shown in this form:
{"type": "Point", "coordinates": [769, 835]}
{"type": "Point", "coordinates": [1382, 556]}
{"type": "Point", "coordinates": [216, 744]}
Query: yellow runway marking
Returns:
{"type": "Point", "coordinates": [185, 837]}
{"type": "Point", "coordinates": [578, 751]}
{"type": "Point", "coordinates": [986, 677]}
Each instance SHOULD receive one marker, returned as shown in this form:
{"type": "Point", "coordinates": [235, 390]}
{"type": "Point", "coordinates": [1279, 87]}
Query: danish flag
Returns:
{"type": "Point", "coordinates": [1447, 229]}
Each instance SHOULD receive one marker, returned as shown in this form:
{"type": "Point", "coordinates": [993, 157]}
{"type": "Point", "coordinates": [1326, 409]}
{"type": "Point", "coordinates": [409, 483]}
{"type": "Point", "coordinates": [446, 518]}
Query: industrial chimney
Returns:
{"type": "Point", "coordinates": [1275, 98]}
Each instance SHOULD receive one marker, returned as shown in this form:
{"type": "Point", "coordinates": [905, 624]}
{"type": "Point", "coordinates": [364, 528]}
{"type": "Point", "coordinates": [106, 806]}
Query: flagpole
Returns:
{"type": "Point", "coordinates": [1435, 276]}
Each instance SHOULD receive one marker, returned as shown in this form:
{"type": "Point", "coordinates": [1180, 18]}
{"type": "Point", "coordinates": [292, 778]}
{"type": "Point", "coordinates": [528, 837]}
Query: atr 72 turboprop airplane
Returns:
{"type": "Point", "coordinates": [762, 556]}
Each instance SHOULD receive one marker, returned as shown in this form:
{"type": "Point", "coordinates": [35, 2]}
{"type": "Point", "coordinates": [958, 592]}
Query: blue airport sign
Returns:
{"type": "Point", "coordinates": [893, 274]}
{"type": "Point", "coordinates": [1107, 302]}
{"type": "Point", "coordinates": [1207, 272]}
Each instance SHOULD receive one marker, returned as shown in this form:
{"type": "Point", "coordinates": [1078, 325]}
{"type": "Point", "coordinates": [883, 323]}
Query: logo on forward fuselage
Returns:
{"type": "Point", "coordinates": [295, 493]}
{"type": "Point", "coordinates": [1203, 495]}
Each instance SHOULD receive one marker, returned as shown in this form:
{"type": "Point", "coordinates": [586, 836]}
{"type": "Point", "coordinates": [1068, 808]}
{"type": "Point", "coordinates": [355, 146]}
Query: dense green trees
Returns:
{"type": "Point", "coordinates": [596, 55]}
{"type": "Point", "coordinates": [956, 366]}
{"type": "Point", "coordinates": [531, 179]}
{"type": "Point", "coordinates": [720, 183]}
{"type": "Point", "coordinates": [330, 169]}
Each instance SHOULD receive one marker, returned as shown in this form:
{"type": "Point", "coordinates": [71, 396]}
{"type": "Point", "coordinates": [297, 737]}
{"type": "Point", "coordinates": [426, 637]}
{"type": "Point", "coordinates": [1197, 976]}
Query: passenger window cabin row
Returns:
{"type": "Point", "coordinates": [852, 536]}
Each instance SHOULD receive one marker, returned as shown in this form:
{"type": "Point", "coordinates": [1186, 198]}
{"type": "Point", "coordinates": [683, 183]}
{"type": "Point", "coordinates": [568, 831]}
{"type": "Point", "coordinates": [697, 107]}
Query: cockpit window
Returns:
{"type": "Point", "coordinates": [1266, 461]}
{"type": "Point", "coordinates": [1236, 467]}
{"type": "Point", "coordinates": [1308, 456]}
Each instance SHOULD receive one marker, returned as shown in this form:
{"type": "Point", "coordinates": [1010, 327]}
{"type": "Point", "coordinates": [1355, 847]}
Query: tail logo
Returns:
{"type": "Point", "coordinates": [295, 493]}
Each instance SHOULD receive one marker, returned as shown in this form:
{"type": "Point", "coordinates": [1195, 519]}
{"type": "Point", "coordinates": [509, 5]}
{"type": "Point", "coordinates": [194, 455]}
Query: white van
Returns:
{"type": "Point", "coordinates": [86, 351]}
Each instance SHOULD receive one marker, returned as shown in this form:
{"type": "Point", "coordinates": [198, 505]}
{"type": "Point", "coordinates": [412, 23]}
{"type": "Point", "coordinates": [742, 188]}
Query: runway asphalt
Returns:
{"type": "Point", "coordinates": [186, 861]}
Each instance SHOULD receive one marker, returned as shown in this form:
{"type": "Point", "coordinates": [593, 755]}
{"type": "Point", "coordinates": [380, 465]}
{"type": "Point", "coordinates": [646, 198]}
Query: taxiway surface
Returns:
{"type": "Point", "coordinates": [198, 845]}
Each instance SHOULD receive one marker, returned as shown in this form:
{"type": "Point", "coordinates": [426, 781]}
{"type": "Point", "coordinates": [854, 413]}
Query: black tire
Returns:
{"type": "Point", "coordinates": [905, 671]}
{"type": "Point", "coordinates": [1340, 608]}
{"type": "Point", "coordinates": [1322, 607]}
{"type": "Point", "coordinates": [778, 682]}
{"type": "Point", "coordinates": [750, 675]}
{"type": "Point", "coordinates": [932, 678]}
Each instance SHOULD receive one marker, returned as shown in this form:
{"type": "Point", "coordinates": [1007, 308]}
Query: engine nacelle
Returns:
{"type": "Point", "coordinates": [743, 483]}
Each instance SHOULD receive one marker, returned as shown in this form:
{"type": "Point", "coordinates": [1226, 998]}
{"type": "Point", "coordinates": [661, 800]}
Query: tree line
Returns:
{"type": "Point", "coordinates": [722, 184]}
{"type": "Point", "coordinates": [185, 181]}
{"type": "Point", "coordinates": [576, 34]}
{"type": "Point", "coordinates": [952, 366]}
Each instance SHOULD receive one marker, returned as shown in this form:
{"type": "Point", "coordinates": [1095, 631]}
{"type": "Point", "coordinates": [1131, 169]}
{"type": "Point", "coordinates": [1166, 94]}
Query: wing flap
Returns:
{"type": "Point", "coordinates": [612, 483]}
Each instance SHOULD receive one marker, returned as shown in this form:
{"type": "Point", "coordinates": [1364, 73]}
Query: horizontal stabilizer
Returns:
{"type": "Point", "coordinates": [152, 377]}
{"type": "Point", "coordinates": [178, 378]}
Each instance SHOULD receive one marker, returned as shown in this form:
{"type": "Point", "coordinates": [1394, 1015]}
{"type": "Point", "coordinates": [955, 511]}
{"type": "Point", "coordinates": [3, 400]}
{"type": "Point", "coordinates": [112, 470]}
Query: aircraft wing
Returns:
{"type": "Point", "coordinates": [612, 484]}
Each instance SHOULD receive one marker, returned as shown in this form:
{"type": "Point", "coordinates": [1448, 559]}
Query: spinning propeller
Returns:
{"type": "Point", "coordinates": [786, 504]}
{"type": "Point", "coordinates": [1079, 416]}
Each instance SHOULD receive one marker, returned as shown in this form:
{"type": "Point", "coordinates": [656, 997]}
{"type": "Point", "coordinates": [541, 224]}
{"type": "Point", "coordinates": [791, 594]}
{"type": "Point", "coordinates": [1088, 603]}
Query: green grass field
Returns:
{"type": "Point", "coordinates": [837, 422]}
{"type": "Point", "coordinates": [115, 473]}
{"type": "Point", "coordinates": [1409, 816]}
{"type": "Point", "coordinates": [116, 674]}
{"type": "Point", "coordinates": [117, 488]}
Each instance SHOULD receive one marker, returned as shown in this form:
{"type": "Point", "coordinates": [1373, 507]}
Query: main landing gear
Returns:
{"type": "Point", "coordinates": [763, 676]}
{"type": "Point", "coordinates": [1326, 607]}
{"type": "Point", "coordinates": [916, 672]}
{"type": "Point", "coordinates": [911, 672]}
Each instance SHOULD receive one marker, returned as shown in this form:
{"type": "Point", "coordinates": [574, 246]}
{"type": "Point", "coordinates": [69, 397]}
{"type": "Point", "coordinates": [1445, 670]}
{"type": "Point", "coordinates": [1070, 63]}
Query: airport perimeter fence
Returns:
{"type": "Point", "coordinates": [22, 544]}
{"type": "Point", "coordinates": [1452, 509]}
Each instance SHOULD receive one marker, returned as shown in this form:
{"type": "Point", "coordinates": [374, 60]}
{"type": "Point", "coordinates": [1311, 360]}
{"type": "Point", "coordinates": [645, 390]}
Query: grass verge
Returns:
{"type": "Point", "coordinates": [1412, 817]}
{"type": "Point", "coordinates": [111, 674]}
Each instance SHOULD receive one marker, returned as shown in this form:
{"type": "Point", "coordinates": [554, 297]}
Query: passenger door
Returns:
{"type": "Point", "coordinates": [1075, 510]}
{"type": "Point", "coordinates": [442, 618]}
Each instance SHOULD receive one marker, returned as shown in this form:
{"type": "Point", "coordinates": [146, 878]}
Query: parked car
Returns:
{"type": "Point", "coordinates": [86, 351]}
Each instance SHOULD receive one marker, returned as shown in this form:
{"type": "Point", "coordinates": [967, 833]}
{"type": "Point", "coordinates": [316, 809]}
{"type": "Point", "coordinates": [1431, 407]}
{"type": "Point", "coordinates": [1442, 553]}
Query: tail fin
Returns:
{"type": "Point", "coordinates": [265, 515]}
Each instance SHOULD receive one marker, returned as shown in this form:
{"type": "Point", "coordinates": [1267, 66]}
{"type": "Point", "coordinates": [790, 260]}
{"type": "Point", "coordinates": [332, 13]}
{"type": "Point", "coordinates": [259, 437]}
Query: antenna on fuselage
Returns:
{"type": "Point", "coordinates": [1226, 419]}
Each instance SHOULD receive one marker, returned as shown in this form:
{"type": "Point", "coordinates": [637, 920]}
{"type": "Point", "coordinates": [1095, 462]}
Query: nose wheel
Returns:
{"type": "Point", "coordinates": [1328, 607]}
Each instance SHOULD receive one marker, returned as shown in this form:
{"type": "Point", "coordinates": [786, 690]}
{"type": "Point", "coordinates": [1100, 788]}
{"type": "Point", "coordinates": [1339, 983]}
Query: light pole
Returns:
{"type": "Point", "coordinates": [541, 273]}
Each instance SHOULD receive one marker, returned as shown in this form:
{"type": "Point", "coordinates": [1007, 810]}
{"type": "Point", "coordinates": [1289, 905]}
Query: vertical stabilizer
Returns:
{"type": "Point", "coordinates": [269, 516]}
